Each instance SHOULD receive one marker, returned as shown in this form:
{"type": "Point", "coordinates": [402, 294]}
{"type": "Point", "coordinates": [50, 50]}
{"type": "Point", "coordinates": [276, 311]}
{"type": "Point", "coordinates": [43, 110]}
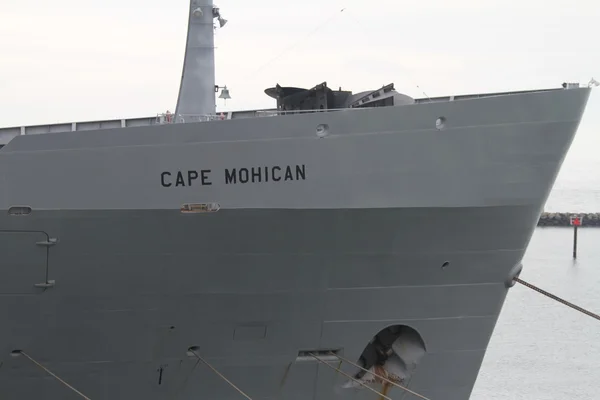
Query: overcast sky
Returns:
{"type": "Point", "coordinates": [67, 60]}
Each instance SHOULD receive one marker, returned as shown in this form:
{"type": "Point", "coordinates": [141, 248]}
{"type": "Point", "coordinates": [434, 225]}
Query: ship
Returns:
{"type": "Point", "coordinates": [338, 245]}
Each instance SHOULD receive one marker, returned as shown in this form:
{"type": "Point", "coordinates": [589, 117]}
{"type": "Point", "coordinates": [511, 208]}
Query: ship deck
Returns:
{"type": "Point", "coordinates": [8, 133]}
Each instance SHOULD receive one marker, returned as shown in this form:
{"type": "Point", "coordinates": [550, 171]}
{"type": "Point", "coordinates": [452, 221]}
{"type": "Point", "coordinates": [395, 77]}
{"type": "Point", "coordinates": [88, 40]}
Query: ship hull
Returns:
{"type": "Point", "coordinates": [386, 221]}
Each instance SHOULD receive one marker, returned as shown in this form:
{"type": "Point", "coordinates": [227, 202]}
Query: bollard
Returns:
{"type": "Point", "coordinates": [575, 222]}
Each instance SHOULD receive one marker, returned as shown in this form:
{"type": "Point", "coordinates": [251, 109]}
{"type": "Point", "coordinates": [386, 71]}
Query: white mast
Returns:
{"type": "Point", "coordinates": [197, 90]}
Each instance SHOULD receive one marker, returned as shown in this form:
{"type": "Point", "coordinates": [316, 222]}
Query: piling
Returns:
{"type": "Point", "coordinates": [575, 241]}
{"type": "Point", "coordinates": [576, 221]}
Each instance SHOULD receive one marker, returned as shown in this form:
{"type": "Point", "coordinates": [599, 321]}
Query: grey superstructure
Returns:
{"type": "Point", "coordinates": [254, 239]}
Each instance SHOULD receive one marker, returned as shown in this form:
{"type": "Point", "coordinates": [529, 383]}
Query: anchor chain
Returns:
{"type": "Point", "coordinates": [380, 377]}
{"type": "Point", "coordinates": [55, 376]}
{"type": "Point", "coordinates": [553, 297]}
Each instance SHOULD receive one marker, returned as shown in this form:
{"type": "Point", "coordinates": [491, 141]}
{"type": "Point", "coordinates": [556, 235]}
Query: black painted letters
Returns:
{"type": "Point", "coordinates": [205, 177]}
{"type": "Point", "coordinates": [163, 178]}
{"type": "Point", "coordinates": [192, 175]}
{"type": "Point", "coordinates": [235, 176]}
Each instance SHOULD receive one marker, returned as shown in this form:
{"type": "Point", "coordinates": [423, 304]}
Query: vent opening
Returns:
{"type": "Point", "coordinates": [322, 354]}
{"type": "Point", "coordinates": [19, 210]}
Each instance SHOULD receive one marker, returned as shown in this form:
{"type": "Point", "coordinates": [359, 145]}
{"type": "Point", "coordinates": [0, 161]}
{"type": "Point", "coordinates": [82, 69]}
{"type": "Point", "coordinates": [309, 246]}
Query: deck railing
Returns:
{"type": "Point", "coordinates": [166, 118]}
{"type": "Point", "coordinates": [7, 133]}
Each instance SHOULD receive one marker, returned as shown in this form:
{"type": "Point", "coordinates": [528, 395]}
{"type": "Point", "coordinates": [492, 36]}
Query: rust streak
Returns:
{"type": "Point", "coordinates": [385, 389]}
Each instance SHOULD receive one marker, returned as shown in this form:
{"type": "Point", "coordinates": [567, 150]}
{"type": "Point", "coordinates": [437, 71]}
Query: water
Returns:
{"type": "Point", "coordinates": [541, 349]}
{"type": "Point", "coordinates": [577, 188]}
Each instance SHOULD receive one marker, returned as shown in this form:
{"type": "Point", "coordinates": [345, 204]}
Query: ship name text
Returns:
{"type": "Point", "coordinates": [233, 176]}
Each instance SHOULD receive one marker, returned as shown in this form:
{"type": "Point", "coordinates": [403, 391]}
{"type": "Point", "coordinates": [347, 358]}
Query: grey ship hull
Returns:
{"type": "Point", "coordinates": [320, 261]}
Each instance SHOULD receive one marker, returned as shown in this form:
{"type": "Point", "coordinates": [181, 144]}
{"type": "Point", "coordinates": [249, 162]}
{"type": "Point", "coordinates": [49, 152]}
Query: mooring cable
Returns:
{"type": "Point", "coordinates": [221, 375]}
{"type": "Point", "coordinates": [350, 377]}
{"type": "Point", "coordinates": [55, 376]}
{"type": "Point", "coordinates": [380, 377]}
{"type": "Point", "coordinates": [553, 297]}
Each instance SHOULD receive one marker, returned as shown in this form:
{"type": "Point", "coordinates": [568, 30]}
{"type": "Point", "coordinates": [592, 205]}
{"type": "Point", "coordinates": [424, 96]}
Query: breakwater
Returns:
{"type": "Point", "coordinates": [564, 219]}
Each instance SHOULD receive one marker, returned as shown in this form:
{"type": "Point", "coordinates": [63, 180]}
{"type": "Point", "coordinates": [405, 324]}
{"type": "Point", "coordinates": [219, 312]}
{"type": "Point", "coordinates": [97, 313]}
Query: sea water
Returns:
{"type": "Point", "coordinates": [541, 349]}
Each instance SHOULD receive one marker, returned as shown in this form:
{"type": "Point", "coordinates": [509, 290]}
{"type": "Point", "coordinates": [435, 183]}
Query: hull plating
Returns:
{"type": "Point", "coordinates": [321, 262]}
{"type": "Point", "coordinates": [251, 289]}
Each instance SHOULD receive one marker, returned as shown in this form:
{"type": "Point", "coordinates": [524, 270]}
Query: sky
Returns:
{"type": "Point", "coordinates": [74, 60]}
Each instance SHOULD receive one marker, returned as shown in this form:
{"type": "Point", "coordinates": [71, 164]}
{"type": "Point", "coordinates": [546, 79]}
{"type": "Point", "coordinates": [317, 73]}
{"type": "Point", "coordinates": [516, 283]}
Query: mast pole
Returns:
{"type": "Point", "coordinates": [197, 89]}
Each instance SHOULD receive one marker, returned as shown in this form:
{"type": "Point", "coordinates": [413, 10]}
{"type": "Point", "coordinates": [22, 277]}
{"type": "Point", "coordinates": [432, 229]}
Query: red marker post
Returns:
{"type": "Point", "coordinates": [576, 221]}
